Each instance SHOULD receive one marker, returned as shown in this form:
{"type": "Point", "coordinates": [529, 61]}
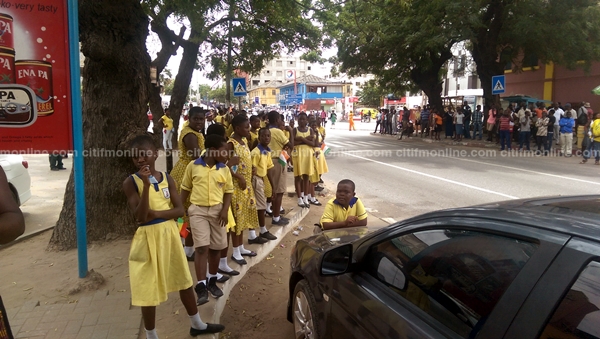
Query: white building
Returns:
{"type": "Point", "coordinates": [462, 79]}
{"type": "Point", "coordinates": [275, 70]}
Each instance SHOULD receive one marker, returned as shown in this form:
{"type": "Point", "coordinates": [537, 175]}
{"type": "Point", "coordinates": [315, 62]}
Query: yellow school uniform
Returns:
{"type": "Point", "coordinates": [263, 124]}
{"type": "Point", "coordinates": [261, 159]}
{"type": "Point", "coordinates": [303, 156]}
{"type": "Point", "coordinates": [253, 138]}
{"type": "Point", "coordinates": [334, 212]}
{"type": "Point", "coordinates": [167, 122]}
{"type": "Point", "coordinates": [229, 131]}
{"type": "Point", "coordinates": [207, 185]}
{"type": "Point", "coordinates": [322, 131]}
{"type": "Point", "coordinates": [278, 141]}
{"type": "Point", "coordinates": [157, 263]}
{"type": "Point", "coordinates": [320, 164]}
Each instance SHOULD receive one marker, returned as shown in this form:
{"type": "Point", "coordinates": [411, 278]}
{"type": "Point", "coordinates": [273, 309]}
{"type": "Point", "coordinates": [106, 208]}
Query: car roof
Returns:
{"type": "Point", "coordinates": [572, 215]}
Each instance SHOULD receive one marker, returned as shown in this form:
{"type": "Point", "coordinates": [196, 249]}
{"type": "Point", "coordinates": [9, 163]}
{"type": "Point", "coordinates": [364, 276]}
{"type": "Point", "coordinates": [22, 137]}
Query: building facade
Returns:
{"type": "Point", "coordinates": [265, 94]}
{"type": "Point", "coordinates": [314, 93]}
{"type": "Point", "coordinates": [275, 70]}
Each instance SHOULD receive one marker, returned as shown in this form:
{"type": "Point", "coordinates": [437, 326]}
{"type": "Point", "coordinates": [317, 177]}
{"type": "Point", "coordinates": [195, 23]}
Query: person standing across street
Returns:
{"type": "Point", "coordinates": [567, 123]}
{"type": "Point", "coordinates": [351, 121]}
{"type": "Point", "coordinates": [467, 120]}
{"type": "Point", "coordinates": [491, 123]}
{"type": "Point", "coordinates": [542, 132]}
{"type": "Point", "coordinates": [550, 136]}
{"type": "Point", "coordinates": [525, 130]}
{"type": "Point", "coordinates": [477, 119]}
{"type": "Point", "coordinates": [167, 130]}
{"type": "Point", "coordinates": [582, 123]}
{"type": "Point", "coordinates": [377, 121]}
{"type": "Point", "coordinates": [459, 124]}
{"type": "Point", "coordinates": [505, 128]}
{"type": "Point", "coordinates": [558, 113]}
{"type": "Point", "coordinates": [594, 134]}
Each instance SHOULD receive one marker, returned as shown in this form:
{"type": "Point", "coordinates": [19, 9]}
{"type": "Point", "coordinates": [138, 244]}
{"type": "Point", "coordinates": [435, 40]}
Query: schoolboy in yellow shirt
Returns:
{"type": "Point", "coordinates": [262, 161]}
{"type": "Point", "coordinates": [208, 183]}
{"type": "Point", "coordinates": [346, 210]}
{"type": "Point", "coordinates": [278, 143]}
{"type": "Point", "coordinates": [254, 127]}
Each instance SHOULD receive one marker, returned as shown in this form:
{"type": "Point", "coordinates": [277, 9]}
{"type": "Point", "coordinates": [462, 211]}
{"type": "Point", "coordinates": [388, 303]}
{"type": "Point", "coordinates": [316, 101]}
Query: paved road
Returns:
{"type": "Point", "coordinates": [403, 178]}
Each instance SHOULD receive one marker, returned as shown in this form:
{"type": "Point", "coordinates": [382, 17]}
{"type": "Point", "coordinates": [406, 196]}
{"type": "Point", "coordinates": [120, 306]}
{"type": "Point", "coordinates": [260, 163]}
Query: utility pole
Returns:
{"type": "Point", "coordinates": [229, 61]}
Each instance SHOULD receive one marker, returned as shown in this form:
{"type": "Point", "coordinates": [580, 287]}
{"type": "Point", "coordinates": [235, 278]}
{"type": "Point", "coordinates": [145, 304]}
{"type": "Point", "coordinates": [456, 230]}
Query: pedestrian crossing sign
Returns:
{"type": "Point", "coordinates": [239, 87]}
{"type": "Point", "coordinates": [498, 84]}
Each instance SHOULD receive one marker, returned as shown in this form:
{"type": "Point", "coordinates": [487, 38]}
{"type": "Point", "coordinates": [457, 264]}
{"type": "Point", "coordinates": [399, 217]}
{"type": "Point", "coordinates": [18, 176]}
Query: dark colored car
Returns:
{"type": "Point", "coordinates": [518, 269]}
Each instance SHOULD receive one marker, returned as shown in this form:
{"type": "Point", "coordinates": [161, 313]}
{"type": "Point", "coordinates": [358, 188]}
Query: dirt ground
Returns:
{"type": "Point", "coordinates": [257, 305]}
{"type": "Point", "coordinates": [29, 272]}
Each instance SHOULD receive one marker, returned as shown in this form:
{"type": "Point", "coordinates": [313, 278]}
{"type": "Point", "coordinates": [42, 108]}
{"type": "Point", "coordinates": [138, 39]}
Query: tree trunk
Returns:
{"type": "Point", "coordinates": [184, 78]}
{"type": "Point", "coordinates": [115, 96]}
{"type": "Point", "coordinates": [428, 79]}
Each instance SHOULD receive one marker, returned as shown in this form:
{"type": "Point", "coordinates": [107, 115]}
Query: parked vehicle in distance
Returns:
{"type": "Point", "coordinates": [18, 177]}
{"type": "Point", "coordinates": [516, 269]}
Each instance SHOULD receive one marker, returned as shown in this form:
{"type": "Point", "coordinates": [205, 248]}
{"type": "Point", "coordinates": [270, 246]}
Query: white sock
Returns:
{"type": "Point", "coordinates": [269, 204]}
{"type": "Point", "coordinates": [208, 276]}
{"type": "Point", "coordinates": [219, 276]}
{"type": "Point", "coordinates": [309, 197]}
{"type": "Point", "coordinates": [301, 200]}
{"type": "Point", "coordinates": [224, 266]}
{"type": "Point", "coordinates": [263, 229]}
{"type": "Point", "coordinates": [189, 250]}
{"type": "Point", "coordinates": [197, 323]}
{"type": "Point", "coordinates": [151, 334]}
{"type": "Point", "coordinates": [313, 199]}
{"type": "Point", "coordinates": [301, 194]}
{"type": "Point", "coordinates": [203, 282]}
{"type": "Point", "coordinates": [237, 254]}
{"type": "Point", "coordinates": [251, 234]}
{"type": "Point", "coordinates": [281, 209]}
{"type": "Point", "coordinates": [243, 250]}
{"type": "Point", "coordinates": [276, 219]}
{"type": "Point", "coordinates": [306, 200]}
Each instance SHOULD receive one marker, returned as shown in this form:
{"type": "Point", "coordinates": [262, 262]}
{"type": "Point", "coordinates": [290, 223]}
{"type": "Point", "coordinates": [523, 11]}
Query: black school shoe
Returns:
{"type": "Point", "coordinates": [211, 328]}
{"type": "Point", "coordinates": [267, 235]}
{"type": "Point", "coordinates": [222, 279]}
{"type": "Point", "coordinates": [213, 289]}
{"type": "Point", "coordinates": [282, 222]}
{"type": "Point", "coordinates": [257, 240]}
{"type": "Point", "coordinates": [202, 293]}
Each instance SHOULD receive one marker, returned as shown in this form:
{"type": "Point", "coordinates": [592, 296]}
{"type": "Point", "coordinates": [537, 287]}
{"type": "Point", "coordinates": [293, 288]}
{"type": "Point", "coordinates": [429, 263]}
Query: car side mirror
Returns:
{"type": "Point", "coordinates": [337, 260]}
{"type": "Point", "coordinates": [391, 274]}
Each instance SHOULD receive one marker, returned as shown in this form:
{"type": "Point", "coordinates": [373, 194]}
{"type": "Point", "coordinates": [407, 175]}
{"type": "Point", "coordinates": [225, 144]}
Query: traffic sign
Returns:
{"type": "Point", "coordinates": [239, 87]}
{"type": "Point", "coordinates": [498, 84]}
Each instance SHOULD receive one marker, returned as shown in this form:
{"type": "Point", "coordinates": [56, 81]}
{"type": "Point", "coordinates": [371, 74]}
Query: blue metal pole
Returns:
{"type": "Point", "coordinates": [78, 175]}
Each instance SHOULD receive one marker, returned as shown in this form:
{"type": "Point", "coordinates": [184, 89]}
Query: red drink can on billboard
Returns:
{"type": "Point", "coordinates": [7, 66]}
{"type": "Point", "coordinates": [37, 75]}
{"type": "Point", "coordinates": [6, 31]}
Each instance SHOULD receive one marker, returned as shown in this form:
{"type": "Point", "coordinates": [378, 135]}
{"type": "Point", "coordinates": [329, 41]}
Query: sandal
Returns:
{"type": "Point", "coordinates": [584, 161]}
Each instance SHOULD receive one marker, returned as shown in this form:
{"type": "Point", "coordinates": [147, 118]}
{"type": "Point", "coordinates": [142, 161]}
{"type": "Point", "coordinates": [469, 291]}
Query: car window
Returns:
{"type": "Point", "coordinates": [578, 314]}
{"type": "Point", "coordinates": [456, 277]}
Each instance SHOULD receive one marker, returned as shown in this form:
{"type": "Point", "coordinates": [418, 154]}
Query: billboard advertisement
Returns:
{"type": "Point", "coordinates": [35, 103]}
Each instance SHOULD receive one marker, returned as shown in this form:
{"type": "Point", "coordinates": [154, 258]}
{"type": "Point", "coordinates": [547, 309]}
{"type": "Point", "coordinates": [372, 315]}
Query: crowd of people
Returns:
{"type": "Point", "coordinates": [571, 128]}
{"type": "Point", "coordinates": [230, 176]}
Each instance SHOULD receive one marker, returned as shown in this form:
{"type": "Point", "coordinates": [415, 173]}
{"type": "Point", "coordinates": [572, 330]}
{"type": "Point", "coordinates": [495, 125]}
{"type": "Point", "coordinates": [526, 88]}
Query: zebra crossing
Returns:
{"type": "Point", "coordinates": [353, 144]}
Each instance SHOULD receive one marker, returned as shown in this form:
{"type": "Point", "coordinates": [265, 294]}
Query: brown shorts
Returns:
{"type": "Point", "coordinates": [278, 173]}
{"type": "Point", "coordinates": [258, 184]}
{"type": "Point", "coordinates": [490, 127]}
{"type": "Point", "coordinates": [206, 228]}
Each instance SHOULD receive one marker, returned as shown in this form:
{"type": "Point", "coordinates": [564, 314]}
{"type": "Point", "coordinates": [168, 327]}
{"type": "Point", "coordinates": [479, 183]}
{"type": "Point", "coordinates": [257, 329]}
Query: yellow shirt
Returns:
{"type": "Point", "coordinates": [322, 131]}
{"type": "Point", "coordinates": [595, 127]}
{"type": "Point", "coordinates": [229, 131]}
{"type": "Point", "coordinates": [207, 184]}
{"type": "Point", "coordinates": [263, 124]}
{"type": "Point", "coordinates": [159, 196]}
{"type": "Point", "coordinates": [334, 212]}
{"type": "Point", "coordinates": [253, 137]}
{"type": "Point", "coordinates": [167, 122]}
{"type": "Point", "coordinates": [221, 119]}
{"type": "Point", "coordinates": [261, 159]}
{"type": "Point", "coordinates": [278, 141]}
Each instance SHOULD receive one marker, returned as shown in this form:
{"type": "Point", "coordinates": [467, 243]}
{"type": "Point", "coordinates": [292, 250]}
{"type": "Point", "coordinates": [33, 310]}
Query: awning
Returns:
{"type": "Point", "coordinates": [596, 90]}
{"type": "Point", "coordinates": [524, 98]}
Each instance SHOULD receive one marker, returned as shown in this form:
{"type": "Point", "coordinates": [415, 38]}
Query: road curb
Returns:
{"type": "Point", "coordinates": [25, 237]}
{"type": "Point", "coordinates": [280, 232]}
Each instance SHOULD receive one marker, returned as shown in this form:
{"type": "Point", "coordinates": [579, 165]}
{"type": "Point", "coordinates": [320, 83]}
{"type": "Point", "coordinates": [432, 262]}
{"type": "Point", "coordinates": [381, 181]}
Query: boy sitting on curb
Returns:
{"type": "Point", "coordinates": [346, 210]}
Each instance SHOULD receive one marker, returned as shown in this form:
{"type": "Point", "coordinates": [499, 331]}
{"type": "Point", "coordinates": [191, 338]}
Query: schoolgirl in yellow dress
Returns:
{"type": "Point", "coordinates": [303, 154]}
{"type": "Point", "coordinates": [320, 164]}
{"type": "Point", "coordinates": [190, 145]}
{"type": "Point", "coordinates": [157, 263]}
{"type": "Point", "coordinates": [243, 202]}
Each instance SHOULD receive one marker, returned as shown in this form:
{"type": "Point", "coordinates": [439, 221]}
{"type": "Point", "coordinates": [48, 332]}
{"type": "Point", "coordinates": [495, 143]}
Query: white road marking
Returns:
{"type": "Point", "coordinates": [529, 171]}
{"type": "Point", "coordinates": [435, 177]}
